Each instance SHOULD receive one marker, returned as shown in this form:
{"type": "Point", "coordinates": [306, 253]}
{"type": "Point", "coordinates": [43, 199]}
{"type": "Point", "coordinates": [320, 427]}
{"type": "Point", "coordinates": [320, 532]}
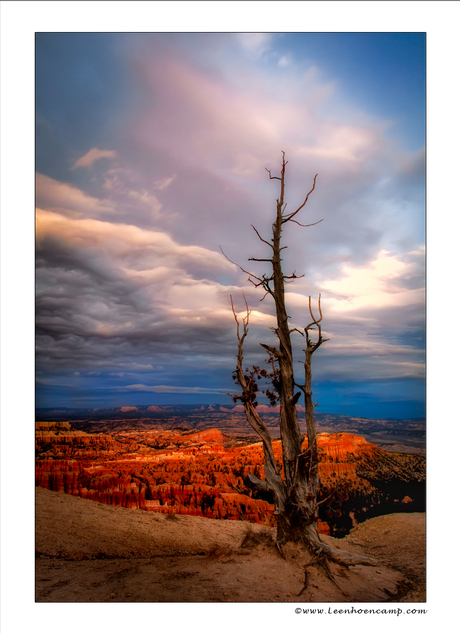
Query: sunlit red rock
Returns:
{"type": "Point", "coordinates": [205, 474]}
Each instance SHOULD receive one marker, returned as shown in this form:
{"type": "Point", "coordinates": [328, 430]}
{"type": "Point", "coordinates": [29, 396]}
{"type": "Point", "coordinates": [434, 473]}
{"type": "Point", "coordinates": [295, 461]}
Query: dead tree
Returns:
{"type": "Point", "coordinates": [295, 485]}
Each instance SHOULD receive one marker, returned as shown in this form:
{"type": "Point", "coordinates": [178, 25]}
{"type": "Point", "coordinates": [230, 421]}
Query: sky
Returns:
{"type": "Point", "coordinates": [151, 157]}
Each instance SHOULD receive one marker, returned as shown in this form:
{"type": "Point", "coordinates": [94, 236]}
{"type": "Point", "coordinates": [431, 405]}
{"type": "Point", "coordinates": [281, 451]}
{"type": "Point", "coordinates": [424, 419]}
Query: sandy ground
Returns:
{"type": "Point", "coordinates": [90, 552]}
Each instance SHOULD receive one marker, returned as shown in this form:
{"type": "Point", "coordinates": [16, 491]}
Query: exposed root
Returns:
{"type": "Point", "coordinates": [305, 584]}
{"type": "Point", "coordinates": [310, 551]}
{"type": "Point", "coordinates": [325, 565]}
{"type": "Point", "coordinates": [322, 563]}
{"type": "Point", "coordinates": [342, 557]}
{"type": "Point", "coordinates": [321, 550]}
{"type": "Point", "coordinates": [280, 549]}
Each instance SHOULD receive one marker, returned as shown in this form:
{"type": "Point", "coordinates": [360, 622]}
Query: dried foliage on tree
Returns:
{"type": "Point", "coordinates": [295, 485]}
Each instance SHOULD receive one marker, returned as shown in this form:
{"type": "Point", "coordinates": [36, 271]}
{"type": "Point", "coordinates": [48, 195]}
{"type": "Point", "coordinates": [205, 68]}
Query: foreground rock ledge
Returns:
{"type": "Point", "coordinates": [91, 552]}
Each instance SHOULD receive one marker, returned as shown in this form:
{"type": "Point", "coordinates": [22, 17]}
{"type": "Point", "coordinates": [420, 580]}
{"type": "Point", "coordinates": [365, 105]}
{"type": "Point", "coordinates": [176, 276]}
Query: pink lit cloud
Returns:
{"type": "Point", "coordinates": [93, 155]}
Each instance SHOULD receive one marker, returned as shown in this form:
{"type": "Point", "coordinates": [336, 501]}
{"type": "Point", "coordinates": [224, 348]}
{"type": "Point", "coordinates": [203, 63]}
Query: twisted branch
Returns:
{"type": "Point", "coordinates": [246, 272]}
{"type": "Point", "coordinates": [262, 239]}
{"type": "Point", "coordinates": [289, 217]}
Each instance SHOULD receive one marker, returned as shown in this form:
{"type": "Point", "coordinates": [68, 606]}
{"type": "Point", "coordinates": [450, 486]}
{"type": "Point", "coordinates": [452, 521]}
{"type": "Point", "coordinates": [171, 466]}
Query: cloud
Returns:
{"type": "Point", "coordinates": [93, 155]}
{"type": "Point", "coordinates": [385, 281]}
{"type": "Point", "coordinates": [255, 43]}
{"type": "Point", "coordinates": [373, 316]}
{"type": "Point", "coordinates": [219, 135]}
{"type": "Point", "coordinates": [165, 182]}
{"type": "Point", "coordinates": [130, 279]}
{"type": "Point", "coordinates": [54, 195]}
{"type": "Point", "coordinates": [140, 256]}
{"type": "Point", "coordinates": [353, 145]}
{"type": "Point", "coordinates": [171, 389]}
{"type": "Point", "coordinates": [109, 295]}
{"type": "Point", "coordinates": [149, 200]}
{"type": "Point", "coordinates": [285, 60]}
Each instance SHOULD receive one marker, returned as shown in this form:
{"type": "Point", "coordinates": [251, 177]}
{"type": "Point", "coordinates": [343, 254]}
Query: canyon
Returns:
{"type": "Point", "coordinates": [203, 472]}
{"type": "Point", "coordinates": [393, 435]}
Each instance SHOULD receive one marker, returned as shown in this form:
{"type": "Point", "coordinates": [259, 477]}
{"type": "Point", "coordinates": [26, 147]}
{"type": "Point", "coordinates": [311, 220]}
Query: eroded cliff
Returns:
{"type": "Point", "coordinates": [205, 474]}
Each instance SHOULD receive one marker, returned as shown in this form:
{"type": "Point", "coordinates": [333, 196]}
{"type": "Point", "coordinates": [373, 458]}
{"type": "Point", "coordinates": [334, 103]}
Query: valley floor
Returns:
{"type": "Point", "coordinates": [90, 552]}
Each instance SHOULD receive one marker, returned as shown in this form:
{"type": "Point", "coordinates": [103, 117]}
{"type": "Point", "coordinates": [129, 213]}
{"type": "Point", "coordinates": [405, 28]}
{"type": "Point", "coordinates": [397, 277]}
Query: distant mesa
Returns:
{"type": "Point", "coordinates": [394, 435]}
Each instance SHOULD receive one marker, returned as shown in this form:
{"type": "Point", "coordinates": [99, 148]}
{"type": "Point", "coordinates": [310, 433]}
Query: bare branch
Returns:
{"type": "Point", "coordinates": [225, 393]}
{"type": "Point", "coordinates": [261, 238]}
{"type": "Point", "coordinates": [311, 314]}
{"type": "Point", "coordinates": [306, 225]}
{"type": "Point", "coordinates": [319, 307]}
{"type": "Point", "coordinates": [248, 312]}
{"type": "Point", "coordinates": [272, 177]}
{"type": "Point", "coordinates": [255, 481]}
{"type": "Point", "coordinates": [315, 322]}
{"type": "Point", "coordinates": [273, 478]}
{"type": "Point", "coordinates": [320, 342]}
{"type": "Point", "coordinates": [289, 217]}
{"type": "Point", "coordinates": [236, 321]}
{"type": "Point", "coordinates": [323, 500]}
{"type": "Point", "coordinates": [246, 272]}
{"type": "Point", "coordinates": [256, 259]}
{"type": "Point", "coordinates": [271, 349]}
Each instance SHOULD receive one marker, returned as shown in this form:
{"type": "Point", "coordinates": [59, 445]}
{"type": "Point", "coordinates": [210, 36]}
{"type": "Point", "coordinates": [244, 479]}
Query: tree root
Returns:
{"type": "Point", "coordinates": [305, 584]}
{"type": "Point", "coordinates": [321, 556]}
{"type": "Point", "coordinates": [342, 557]}
{"type": "Point", "coordinates": [279, 547]}
{"type": "Point", "coordinates": [323, 563]}
{"type": "Point", "coordinates": [308, 550]}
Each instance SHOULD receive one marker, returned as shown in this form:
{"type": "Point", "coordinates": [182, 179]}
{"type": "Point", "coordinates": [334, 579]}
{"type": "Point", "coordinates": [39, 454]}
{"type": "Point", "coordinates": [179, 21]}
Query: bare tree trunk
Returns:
{"type": "Point", "coordinates": [296, 493]}
{"type": "Point", "coordinates": [300, 515]}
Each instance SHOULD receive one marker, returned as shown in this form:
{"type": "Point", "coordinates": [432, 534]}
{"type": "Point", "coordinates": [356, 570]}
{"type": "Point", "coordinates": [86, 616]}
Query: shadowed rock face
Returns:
{"type": "Point", "coordinates": [205, 474]}
{"type": "Point", "coordinates": [366, 481]}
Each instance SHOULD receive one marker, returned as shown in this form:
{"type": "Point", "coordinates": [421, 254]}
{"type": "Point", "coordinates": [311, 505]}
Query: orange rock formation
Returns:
{"type": "Point", "coordinates": [205, 473]}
